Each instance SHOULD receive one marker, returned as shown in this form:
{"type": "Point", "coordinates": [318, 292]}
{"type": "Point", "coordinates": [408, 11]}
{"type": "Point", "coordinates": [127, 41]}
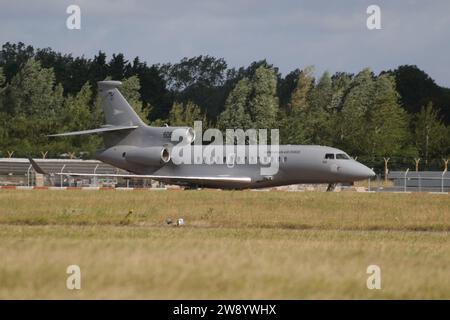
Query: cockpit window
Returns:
{"type": "Point", "coordinates": [329, 156]}
{"type": "Point", "coordinates": [342, 156]}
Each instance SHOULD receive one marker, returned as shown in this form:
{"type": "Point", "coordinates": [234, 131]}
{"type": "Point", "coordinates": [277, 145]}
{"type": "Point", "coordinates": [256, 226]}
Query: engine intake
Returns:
{"type": "Point", "coordinates": [182, 132]}
{"type": "Point", "coordinates": [149, 156]}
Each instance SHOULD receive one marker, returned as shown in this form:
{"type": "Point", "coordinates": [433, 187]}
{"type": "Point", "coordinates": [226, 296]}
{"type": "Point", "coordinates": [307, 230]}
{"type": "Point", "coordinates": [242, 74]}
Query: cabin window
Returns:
{"type": "Point", "coordinates": [342, 156]}
{"type": "Point", "coordinates": [329, 156]}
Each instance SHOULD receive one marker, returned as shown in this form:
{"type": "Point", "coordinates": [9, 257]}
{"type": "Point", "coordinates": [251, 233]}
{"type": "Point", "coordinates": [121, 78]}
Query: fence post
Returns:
{"type": "Point", "coordinates": [445, 164]}
{"type": "Point", "coordinates": [95, 177]}
{"type": "Point", "coordinates": [62, 169]}
{"type": "Point", "coordinates": [406, 173]}
{"type": "Point", "coordinates": [442, 180]}
{"type": "Point", "coordinates": [28, 175]}
{"type": "Point", "coordinates": [417, 160]}
{"type": "Point", "coordinates": [386, 160]}
{"type": "Point", "coordinates": [420, 183]}
{"type": "Point", "coordinates": [369, 182]}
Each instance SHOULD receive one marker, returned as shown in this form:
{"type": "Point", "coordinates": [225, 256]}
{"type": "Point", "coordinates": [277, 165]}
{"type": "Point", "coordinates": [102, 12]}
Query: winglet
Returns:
{"type": "Point", "coordinates": [36, 166]}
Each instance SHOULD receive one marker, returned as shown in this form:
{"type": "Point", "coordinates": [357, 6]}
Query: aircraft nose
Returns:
{"type": "Point", "coordinates": [360, 172]}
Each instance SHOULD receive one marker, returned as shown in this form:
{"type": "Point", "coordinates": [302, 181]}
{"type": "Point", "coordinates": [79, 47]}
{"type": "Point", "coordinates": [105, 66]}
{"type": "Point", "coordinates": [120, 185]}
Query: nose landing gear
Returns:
{"type": "Point", "coordinates": [331, 187]}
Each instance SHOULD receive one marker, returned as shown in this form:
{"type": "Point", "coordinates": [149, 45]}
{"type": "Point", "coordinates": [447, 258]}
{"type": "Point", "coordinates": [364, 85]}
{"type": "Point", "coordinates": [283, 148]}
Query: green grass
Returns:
{"type": "Point", "coordinates": [257, 245]}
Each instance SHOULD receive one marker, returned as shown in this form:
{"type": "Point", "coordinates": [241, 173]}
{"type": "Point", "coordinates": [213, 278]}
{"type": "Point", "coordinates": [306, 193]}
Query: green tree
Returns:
{"type": "Point", "coordinates": [430, 135]}
{"type": "Point", "coordinates": [193, 113]}
{"type": "Point", "coordinates": [4, 128]}
{"type": "Point", "coordinates": [13, 56]}
{"type": "Point", "coordinates": [351, 125]}
{"type": "Point", "coordinates": [76, 115]}
{"type": "Point", "coordinates": [235, 114]}
{"type": "Point", "coordinates": [263, 103]}
{"type": "Point", "coordinates": [317, 122]}
{"type": "Point", "coordinates": [321, 94]}
{"type": "Point", "coordinates": [32, 103]}
{"type": "Point", "coordinates": [299, 97]}
{"type": "Point", "coordinates": [252, 103]}
{"type": "Point", "coordinates": [117, 67]}
{"type": "Point", "coordinates": [130, 90]}
{"type": "Point", "coordinates": [286, 86]}
{"type": "Point", "coordinates": [340, 86]}
{"type": "Point", "coordinates": [185, 115]}
{"type": "Point", "coordinates": [293, 127]}
{"type": "Point", "coordinates": [3, 115]}
{"type": "Point", "coordinates": [176, 114]}
{"type": "Point", "coordinates": [31, 91]}
{"type": "Point", "coordinates": [446, 153]}
{"type": "Point", "coordinates": [2, 78]}
{"type": "Point", "coordinates": [388, 123]}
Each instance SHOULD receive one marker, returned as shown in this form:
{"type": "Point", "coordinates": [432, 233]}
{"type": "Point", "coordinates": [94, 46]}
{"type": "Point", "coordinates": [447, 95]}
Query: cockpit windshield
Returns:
{"type": "Point", "coordinates": [329, 156]}
{"type": "Point", "coordinates": [342, 156]}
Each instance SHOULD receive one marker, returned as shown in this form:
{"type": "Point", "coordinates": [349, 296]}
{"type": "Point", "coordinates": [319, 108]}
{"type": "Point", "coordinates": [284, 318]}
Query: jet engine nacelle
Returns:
{"type": "Point", "coordinates": [167, 134]}
{"type": "Point", "coordinates": [149, 156]}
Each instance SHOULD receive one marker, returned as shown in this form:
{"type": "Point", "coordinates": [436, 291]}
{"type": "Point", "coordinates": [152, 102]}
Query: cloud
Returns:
{"type": "Point", "coordinates": [290, 34]}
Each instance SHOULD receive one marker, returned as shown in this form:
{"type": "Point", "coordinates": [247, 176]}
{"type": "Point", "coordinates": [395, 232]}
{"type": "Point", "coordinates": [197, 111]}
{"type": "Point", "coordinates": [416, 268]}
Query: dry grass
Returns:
{"type": "Point", "coordinates": [382, 183]}
{"type": "Point", "coordinates": [234, 244]}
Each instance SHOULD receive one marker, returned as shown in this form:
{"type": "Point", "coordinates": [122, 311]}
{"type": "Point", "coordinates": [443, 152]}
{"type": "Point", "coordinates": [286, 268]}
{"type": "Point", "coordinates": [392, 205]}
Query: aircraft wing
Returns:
{"type": "Point", "coordinates": [92, 131]}
{"type": "Point", "coordinates": [165, 178]}
{"type": "Point", "coordinates": [194, 179]}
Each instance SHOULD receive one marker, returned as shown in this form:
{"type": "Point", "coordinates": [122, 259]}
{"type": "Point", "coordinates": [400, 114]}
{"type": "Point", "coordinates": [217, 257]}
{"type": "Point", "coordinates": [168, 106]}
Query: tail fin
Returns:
{"type": "Point", "coordinates": [116, 109]}
{"type": "Point", "coordinates": [120, 117]}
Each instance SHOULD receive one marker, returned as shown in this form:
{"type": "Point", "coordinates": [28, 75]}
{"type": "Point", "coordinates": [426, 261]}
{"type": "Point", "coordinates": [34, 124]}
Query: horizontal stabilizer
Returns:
{"type": "Point", "coordinates": [36, 167]}
{"type": "Point", "coordinates": [94, 131]}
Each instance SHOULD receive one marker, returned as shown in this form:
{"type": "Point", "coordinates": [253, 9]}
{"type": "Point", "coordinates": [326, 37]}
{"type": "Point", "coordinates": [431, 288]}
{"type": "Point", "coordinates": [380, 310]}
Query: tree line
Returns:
{"type": "Point", "coordinates": [399, 114]}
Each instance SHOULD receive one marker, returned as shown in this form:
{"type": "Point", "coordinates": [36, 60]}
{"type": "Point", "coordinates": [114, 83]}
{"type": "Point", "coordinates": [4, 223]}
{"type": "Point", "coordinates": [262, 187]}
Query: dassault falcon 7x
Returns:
{"type": "Point", "coordinates": [145, 152]}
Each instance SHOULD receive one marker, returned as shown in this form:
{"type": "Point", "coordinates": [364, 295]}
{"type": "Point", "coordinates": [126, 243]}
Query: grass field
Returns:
{"type": "Point", "coordinates": [234, 244]}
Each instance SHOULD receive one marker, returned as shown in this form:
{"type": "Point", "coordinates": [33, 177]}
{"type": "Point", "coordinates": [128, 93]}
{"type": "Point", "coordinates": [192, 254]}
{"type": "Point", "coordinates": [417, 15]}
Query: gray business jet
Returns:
{"type": "Point", "coordinates": [145, 152]}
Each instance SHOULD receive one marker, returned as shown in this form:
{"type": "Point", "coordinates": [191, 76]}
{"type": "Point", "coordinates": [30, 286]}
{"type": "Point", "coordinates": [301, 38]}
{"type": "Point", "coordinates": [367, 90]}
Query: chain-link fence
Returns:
{"type": "Point", "coordinates": [410, 181]}
{"type": "Point", "coordinates": [19, 172]}
{"type": "Point", "coordinates": [396, 163]}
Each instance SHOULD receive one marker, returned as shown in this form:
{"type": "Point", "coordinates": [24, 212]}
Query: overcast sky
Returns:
{"type": "Point", "coordinates": [331, 35]}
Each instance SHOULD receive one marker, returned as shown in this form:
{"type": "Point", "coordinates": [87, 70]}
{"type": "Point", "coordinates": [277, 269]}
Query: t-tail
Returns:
{"type": "Point", "coordinates": [119, 115]}
{"type": "Point", "coordinates": [117, 110]}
